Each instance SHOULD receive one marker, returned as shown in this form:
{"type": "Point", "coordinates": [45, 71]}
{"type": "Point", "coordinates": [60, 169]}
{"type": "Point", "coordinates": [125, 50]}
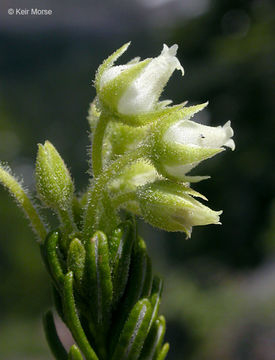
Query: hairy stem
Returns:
{"type": "Point", "coordinates": [97, 144]}
{"type": "Point", "coordinates": [24, 201]}
{"type": "Point", "coordinates": [95, 194]}
{"type": "Point", "coordinates": [67, 220]}
{"type": "Point", "coordinates": [120, 199]}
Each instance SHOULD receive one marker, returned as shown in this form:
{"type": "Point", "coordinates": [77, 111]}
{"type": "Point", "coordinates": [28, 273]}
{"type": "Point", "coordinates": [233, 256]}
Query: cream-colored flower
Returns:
{"type": "Point", "coordinates": [179, 144]}
{"type": "Point", "coordinates": [196, 136]}
{"type": "Point", "coordinates": [135, 88]}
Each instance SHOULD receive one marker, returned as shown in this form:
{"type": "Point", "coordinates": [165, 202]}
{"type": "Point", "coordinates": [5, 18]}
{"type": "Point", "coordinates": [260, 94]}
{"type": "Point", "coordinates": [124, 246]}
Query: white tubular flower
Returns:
{"type": "Point", "coordinates": [171, 207]}
{"type": "Point", "coordinates": [144, 91]}
{"type": "Point", "coordinates": [180, 144]}
{"type": "Point", "coordinates": [131, 92]}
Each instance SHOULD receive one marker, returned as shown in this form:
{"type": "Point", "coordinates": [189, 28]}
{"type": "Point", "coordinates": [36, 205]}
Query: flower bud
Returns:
{"type": "Point", "coordinates": [135, 175]}
{"type": "Point", "coordinates": [179, 144]}
{"type": "Point", "coordinates": [171, 207]}
{"type": "Point", "coordinates": [124, 138]}
{"type": "Point", "coordinates": [53, 181]}
{"type": "Point", "coordinates": [131, 92]}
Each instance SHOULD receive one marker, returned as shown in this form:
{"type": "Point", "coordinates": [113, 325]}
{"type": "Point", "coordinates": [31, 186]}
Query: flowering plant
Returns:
{"type": "Point", "coordinates": [142, 152]}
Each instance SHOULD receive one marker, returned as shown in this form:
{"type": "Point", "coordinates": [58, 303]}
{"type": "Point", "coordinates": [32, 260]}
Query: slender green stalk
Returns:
{"type": "Point", "coordinates": [66, 218]}
{"type": "Point", "coordinates": [95, 194]}
{"type": "Point", "coordinates": [24, 201]}
{"type": "Point", "coordinates": [97, 144]}
{"type": "Point", "coordinates": [122, 198]}
{"type": "Point", "coordinates": [108, 218]}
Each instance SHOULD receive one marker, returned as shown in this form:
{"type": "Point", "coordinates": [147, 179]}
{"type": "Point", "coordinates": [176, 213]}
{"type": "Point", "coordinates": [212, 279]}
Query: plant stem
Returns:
{"type": "Point", "coordinates": [68, 227]}
{"type": "Point", "coordinates": [24, 201]}
{"type": "Point", "coordinates": [108, 218]}
{"type": "Point", "coordinates": [94, 195]}
{"type": "Point", "coordinates": [66, 218]}
{"type": "Point", "coordinates": [97, 144]}
{"type": "Point", "coordinates": [120, 199]}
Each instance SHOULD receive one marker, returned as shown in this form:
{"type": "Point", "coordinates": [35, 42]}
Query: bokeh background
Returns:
{"type": "Point", "coordinates": [219, 296]}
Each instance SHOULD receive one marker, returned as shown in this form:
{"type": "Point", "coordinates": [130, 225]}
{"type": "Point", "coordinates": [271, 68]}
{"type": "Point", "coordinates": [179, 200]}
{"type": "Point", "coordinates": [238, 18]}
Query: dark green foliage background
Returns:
{"type": "Point", "coordinates": [219, 289]}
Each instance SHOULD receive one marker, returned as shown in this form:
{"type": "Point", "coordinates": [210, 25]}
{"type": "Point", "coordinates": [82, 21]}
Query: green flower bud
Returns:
{"type": "Point", "coordinates": [131, 92]}
{"type": "Point", "coordinates": [178, 144]}
{"type": "Point", "coordinates": [124, 138]}
{"type": "Point", "coordinates": [137, 174]}
{"type": "Point", "coordinates": [53, 181]}
{"type": "Point", "coordinates": [171, 207]}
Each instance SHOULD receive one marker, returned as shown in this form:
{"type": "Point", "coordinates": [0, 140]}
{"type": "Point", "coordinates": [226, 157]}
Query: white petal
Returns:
{"type": "Point", "coordinates": [143, 93]}
{"type": "Point", "coordinates": [188, 132]}
{"type": "Point", "coordinates": [179, 171]}
{"type": "Point", "coordinates": [230, 143]}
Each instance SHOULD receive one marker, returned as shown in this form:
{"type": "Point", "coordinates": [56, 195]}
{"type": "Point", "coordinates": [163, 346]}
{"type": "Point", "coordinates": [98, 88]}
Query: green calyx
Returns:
{"type": "Point", "coordinates": [172, 207]}
{"type": "Point", "coordinates": [149, 117]}
{"type": "Point", "coordinates": [108, 63]}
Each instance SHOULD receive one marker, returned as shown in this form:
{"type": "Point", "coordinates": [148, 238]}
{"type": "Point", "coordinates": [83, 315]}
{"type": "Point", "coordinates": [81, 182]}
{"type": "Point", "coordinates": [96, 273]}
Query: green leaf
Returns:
{"type": "Point", "coordinates": [76, 259]}
{"type": "Point", "coordinates": [98, 278]}
{"type": "Point", "coordinates": [74, 353]}
{"type": "Point", "coordinates": [73, 321]}
{"type": "Point", "coordinates": [120, 248]}
{"type": "Point", "coordinates": [156, 297]}
{"type": "Point", "coordinates": [140, 275]}
{"type": "Point", "coordinates": [134, 332]}
{"type": "Point", "coordinates": [147, 287]}
{"type": "Point", "coordinates": [137, 285]}
{"type": "Point", "coordinates": [154, 340]}
{"type": "Point", "coordinates": [50, 249]}
{"type": "Point", "coordinates": [163, 352]}
{"type": "Point", "coordinates": [53, 340]}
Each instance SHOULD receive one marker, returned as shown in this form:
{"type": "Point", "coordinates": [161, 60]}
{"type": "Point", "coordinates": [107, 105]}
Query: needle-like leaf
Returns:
{"type": "Point", "coordinates": [73, 319]}
{"type": "Point", "coordinates": [134, 332]}
{"type": "Point", "coordinates": [53, 340]}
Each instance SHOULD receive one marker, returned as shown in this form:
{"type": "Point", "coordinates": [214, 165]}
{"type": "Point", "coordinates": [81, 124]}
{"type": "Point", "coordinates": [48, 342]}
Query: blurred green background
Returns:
{"type": "Point", "coordinates": [219, 296]}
